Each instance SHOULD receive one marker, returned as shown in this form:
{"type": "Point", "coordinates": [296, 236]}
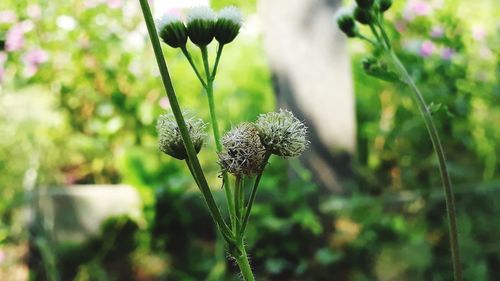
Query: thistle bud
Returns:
{"type": "Point", "coordinates": [200, 25]}
{"type": "Point", "coordinates": [365, 4]}
{"type": "Point", "coordinates": [170, 139]}
{"type": "Point", "coordinates": [282, 133]}
{"type": "Point", "coordinates": [243, 152]}
{"type": "Point", "coordinates": [228, 24]}
{"type": "Point", "coordinates": [384, 5]}
{"type": "Point", "coordinates": [346, 22]}
{"type": "Point", "coordinates": [172, 30]}
{"type": "Point", "coordinates": [363, 16]}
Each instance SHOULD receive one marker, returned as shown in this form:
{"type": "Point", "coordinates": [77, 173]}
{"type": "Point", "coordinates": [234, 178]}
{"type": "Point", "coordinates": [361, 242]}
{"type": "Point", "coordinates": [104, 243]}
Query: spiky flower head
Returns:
{"type": "Point", "coordinates": [282, 133]}
{"type": "Point", "coordinates": [172, 30]}
{"type": "Point", "coordinates": [365, 4]}
{"type": "Point", "coordinates": [345, 21]}
{"type": "Point", "coordinates": [200, 25]}
{"type": "Point", "coordinates": [243, 152]}
{"type": "Point", "coordinates": [363, 16]}
{"type": "Point", "coordinates": [384, 5]}
{"type": "Point", "coordinates": [170, 139]}
{"type": "Point", "coordinates": [228, 24]}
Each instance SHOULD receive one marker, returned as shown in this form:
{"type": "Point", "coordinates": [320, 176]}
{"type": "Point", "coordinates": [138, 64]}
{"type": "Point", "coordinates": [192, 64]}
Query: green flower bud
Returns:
{"type": "Point", "coordinates": [384, 5]}
{"type": "Point", "coordinates": [282, 133]}
{"type": "Point", "coordinates": [228, 24]}
{"type": "Point", "coordinates": [243, 153]}
{"type": "Point", "coordinates": [200, 25]}
{"type": "Point", "coordinates": [172, 30]}
{"type": "Point", "coordinates": [170, 139]}
{"type": "Point", "coordinates": [345, 22]}
{"type": "Point", "coordinates": [363, 16]}
{"type": "Point", "coordinates": [365, 4]}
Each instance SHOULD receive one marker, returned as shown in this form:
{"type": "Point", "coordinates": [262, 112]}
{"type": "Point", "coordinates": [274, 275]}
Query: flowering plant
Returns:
{"type": "Point", "coordinates": [243, 151]}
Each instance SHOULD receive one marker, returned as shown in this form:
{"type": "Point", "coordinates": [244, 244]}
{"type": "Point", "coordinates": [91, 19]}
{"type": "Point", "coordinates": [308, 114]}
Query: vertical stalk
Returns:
{"type": "Point", "coordinates": [237, 201]}
{"type": "Point", "coordinates": [445, 177]}
{"type": "Point", "coordinates": [167, 83]}
{"type": "Point", "coordinates": [244, 266]}
{"type": "Point", "coordinates": [215, 128]}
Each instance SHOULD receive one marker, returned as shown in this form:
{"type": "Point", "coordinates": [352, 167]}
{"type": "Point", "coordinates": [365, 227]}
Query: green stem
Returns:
{"type": "Point", "coordinates": [375, 32]}
{"type": "Point", "coordinates": [237, 200]}
{"type": "Point", "coordinates": [217, 59]}
{"type": "Point", "coordinates": [193, 66]}
{"type": "Point", "coordinates": [209, 88]}
{"type": "Point", "coordinates": [167, 83]}
{"type": "Point", "coordinates": [244, 265]}
{"type": "Point", "coordinates": [251, 200]}
{"type": "Point", "coordinates": [384, 35]}
{"type": "Point", "coordinates": [445, 177]}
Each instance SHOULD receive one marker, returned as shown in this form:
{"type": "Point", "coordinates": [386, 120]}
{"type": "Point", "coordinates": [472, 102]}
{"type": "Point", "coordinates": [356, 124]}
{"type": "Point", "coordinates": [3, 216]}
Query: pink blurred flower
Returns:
{"type": "Point", "coordinates": [8, 16]}
{"type": "Point", "coordinates": [447, 53]}
{"type": "Point", "coordinates": [417, 8]}
{"type": "Point", "coordinates": [114, 4]}
{"type": "Point", "coordinates": [164, 103]}
{"type": "Point", "coordinates": [15, 38]}
{"type": "Point", "coordinates": [478, 33]}
{"type": "Point", "coordinates": [34, 11]}
{"type": "Point", "coordinates": [437, 32]}
{"type": "Point", "coordinates": [427, 48]}
{"type": "Point", "coordinates": [3, 58]}
{"type": "Point", "coordinates": [400, 26]}
{"type": "Point", "coordinates": [32, 59]}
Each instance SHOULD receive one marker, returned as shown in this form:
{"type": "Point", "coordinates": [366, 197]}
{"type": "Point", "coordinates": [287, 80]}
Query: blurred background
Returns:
{"type": "Point", "coordinates": [85, 193]}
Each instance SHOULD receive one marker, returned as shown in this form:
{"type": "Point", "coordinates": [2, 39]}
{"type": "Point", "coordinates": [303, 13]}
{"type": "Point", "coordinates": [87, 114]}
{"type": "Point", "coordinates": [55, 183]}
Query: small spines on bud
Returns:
{"type": "Point", "coordinates": [172, 30]}
{"type": "Point", "coordinates": [345, 22]}
{"type": "Point", "coordinates": [282, 133]}
{"type": "Point", "coordinates": [170, 139]}
{"type": "Point", "coordinates": [200, 25]}
{"type": "Point", "coordinates": [243, 152]}
{"type": "Point", "coordinates": [228, 24]}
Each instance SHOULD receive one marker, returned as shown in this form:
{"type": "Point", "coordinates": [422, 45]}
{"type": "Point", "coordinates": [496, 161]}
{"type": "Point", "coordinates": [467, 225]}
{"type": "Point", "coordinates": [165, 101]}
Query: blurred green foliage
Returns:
{"type": "Point", "coordinates": [88, 113]}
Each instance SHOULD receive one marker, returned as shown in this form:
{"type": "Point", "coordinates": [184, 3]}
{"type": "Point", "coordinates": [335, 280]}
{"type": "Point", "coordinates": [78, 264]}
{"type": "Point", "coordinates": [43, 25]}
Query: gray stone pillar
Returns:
{"type": "Point", "coordinates": [312, 77]}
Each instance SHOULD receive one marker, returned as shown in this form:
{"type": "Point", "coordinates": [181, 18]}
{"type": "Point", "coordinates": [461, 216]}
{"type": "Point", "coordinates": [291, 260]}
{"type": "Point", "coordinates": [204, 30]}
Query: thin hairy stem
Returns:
{"type": "Point", "coordinates": [251, 200]}
{"type": "Point", "coordinates": [217, 59]}
{"type": "Point", "coordinates": [167, 83]}
{"type": "Point", "coordinates": [237, 200]}
{"type": "Point", "coordinates": [244, 265]}
{"type": "Point", "coordinates": [445, 177]}
{"type": "Point", "coordinates": [193, 66]}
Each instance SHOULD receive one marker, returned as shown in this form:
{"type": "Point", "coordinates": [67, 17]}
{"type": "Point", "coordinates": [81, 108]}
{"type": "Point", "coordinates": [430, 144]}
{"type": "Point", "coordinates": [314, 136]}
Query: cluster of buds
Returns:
{"type": "Point", "coordinates": [201, 27]}
{"type": "Point", "coordinates": [170, 139]}
{"type": "Point", "coordinates": [279, 133]}
{"type": "Point", "coordinates": [364, 12]}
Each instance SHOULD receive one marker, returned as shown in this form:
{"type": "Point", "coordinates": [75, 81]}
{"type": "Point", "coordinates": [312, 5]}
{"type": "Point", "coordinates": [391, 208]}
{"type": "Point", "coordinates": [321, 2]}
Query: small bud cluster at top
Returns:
{"type": "Point", "coordinates": [170, 139]}
{"type": "Point", "coordinates": [279, 133]}
{"type": "Point", "coordinates": [364, 12]}
{"type": "Point", "coordinates": [201, 27]}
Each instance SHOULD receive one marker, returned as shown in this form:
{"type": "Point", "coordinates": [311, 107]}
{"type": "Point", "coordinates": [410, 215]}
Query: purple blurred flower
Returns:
{"type": "Point", "coordinates": [437, 32]}
{"type": "Point", "coordinates": [447, 53]}
{"type": "Point", "coordinates": [15, 38]}
{"type": "Point", "coordinates": [32, 59]}
{"type": "Point", "coordinates": [8, 16]}
{"type": "Point", "coordinates": [427, 48]}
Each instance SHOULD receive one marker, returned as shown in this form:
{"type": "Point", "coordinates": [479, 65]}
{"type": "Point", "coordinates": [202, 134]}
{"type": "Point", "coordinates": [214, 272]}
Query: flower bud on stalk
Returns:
{"type": "Point", "coordinates": [282, 133]}
{"type": "Point", "coordinates": [346, 22]}
{"type": "Point", "coordinates": [228, 24]}
{"type": "Point", "coordinates": [170, 139]}
{"type": "Point", "coordinates": [172, 30]}
{"type": "Point", "coordinates": [385, 5]}
{"type": "Point", "coordinates": [200, 25]}
{"type": "Point", "coordinates": [243, 152]}
{"type": "Point", "coordinates": [365, 4]}
{"type": "Point", "coordinates": [363, 16]}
